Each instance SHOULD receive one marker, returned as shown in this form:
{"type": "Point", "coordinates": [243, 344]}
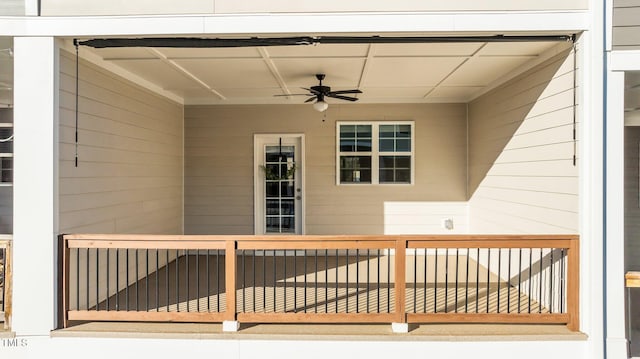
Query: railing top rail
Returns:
{"type": "Point", "coordinates": [309, 238]}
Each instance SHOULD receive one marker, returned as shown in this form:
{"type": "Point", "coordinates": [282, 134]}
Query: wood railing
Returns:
{"type": "Point", "coordinates": [5, 283]}
{"type": "Point", "coordinates": [321, 279]}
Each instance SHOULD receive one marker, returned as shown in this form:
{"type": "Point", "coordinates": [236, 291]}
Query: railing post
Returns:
{"type": "Point", "coordinates": [8, 285]}
{"type": "Point", "coordinates": [230, 281]}
{"type": "Point", "coordinates": [400, 279]}
{"type": "Point", "coordinates": [573, 285]}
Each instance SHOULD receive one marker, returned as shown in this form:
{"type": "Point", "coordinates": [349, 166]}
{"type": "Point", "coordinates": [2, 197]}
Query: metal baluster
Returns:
{"type": "Point", "coordinates": [551, 282]}
{"type": "Point", "coordinates": [198, 280]}
{"type": "Point", "coordinates": [509, 284]}
{"type": "Point", "coordinates": [435, 285]}
{"type": "Point", "coordinates": [415, 278]}
{"type": "Point", "coordinates": [347, 280]}
{"type": "Point", "coordinates": [357, 280]}
{"type": "Point", "coordinates": [446, 280]}
{"type": "Point", "coordinates": [424, 290]}
{"type": "Point", "coordinates": [117, 279]}
{"type": "Point", "coordinates": [166, 276]}
{"type": "Point", "coordinates": [264, 281]}
{"type": "Point", "coordinates": [177, 281]}
{"type": "Point", "coordinates": [157, 281]}
{"type": "Point", "coordinates": [274, 281]}
{"type": "Point", "coordinates": [147, 280]}
{"type": "Point", "coordinates": [316, 282]}
{"type": "Point", "coordinates": [337, 295]}
{"type": "Point", "coordinates": [88, 286]}
{"type": "Point", "coordinates": [457, 262]}
{"type": "Point", "coordinates": [253, 266]}
{"type": "Point", "coordinates": [295, 281]}
{"type": "Point", "coordinates": [126, 287]}
{"type": "Point", "coordinates": [466, 286]}
{"type": "Point", "coordinates": [540, 285]}
{"type": "Point", "coordinates": [137, 281]}
{"type": "Point", "coordinates": [478, 280]}
{"type": "Point", "coordinates": [208, 282]}
{"type": "Point", "coordinates": [243, 282]}
{"type": "Point", "coordinates": [499, 272]}
{"type": "Point", "coordinates": [107, 280]}
{"type": "Point", "coordinates": [378, 281]}
{"type": "Point", "coordinates": [285, 280]}
{"type": "Point", "coordinates": [368, 278]}
{"type": "Point", "coordinates": [326, 281]}
{"type": "Point", "coordinates": [218, 294]}
{"type": "Point", "coordinates": [519, 277]}
{"type": "Point", "coordinates": [305, 281]}
{"type": "Point", "coordinates": [97, 279]}
{"type": "Point", "coordinates": [562, 280]}
{"type": "Point", "coordinates": [389, 282]}
{"type": "Point", "coordinates": [530, 293]}
{"type": "Point", "coordinates": [186, 269]}
{"type": "Point", "coordinates": [488, 276]}
{"type": "Point", "coordinates": [77, 279]}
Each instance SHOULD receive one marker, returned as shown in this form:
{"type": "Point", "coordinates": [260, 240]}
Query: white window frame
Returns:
{"type": "Point", "coordinates": [375, 152]}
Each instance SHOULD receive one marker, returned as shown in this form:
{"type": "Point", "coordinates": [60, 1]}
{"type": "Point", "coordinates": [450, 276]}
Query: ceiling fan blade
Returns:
{"type": "Point", "coordinates": [315, 92]}
{"type": "Point", "coordinates": [342, 97]}
{"type": "Point", "coordinates": [311, 99]}
{"type": "Point", "coordinates": [294, 94]}
{"type": "Point", "coordinates": [344, 91]}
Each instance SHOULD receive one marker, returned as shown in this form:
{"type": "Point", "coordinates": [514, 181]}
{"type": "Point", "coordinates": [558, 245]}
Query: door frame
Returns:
{"type": "Point", "coordinates": [258, 211]}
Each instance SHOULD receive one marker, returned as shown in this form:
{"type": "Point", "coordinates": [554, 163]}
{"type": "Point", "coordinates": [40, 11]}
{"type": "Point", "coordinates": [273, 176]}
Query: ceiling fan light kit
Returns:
{"type": "Point", "coordinates": [320, 106]}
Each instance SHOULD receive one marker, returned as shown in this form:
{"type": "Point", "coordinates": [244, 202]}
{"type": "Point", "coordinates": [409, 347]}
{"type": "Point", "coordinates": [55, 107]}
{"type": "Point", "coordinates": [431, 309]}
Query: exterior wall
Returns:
{"type": "Point", "coordinates": [81, 7]}
{"type": "Point", "coordinates": [418, 217]}
{"type": "Point", "coordinates": [129, 175]}
{"type": "Point", "coordinates": [12, 7]}
{"type": "Point", "coordinates": [521, 175]}
{"type": "Point", "coordinates": [219, 164]}
{"type": "Point", "coordinates": [626, 25]}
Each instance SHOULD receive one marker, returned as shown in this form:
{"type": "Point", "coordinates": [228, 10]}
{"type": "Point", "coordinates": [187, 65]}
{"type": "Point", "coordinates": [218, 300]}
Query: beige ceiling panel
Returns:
{"type": "Point", "coordinates": [157, 72]}
{"type": "Point", "coordinates": [340, 72]}
{"type": "Point", "coordinates": [482, 71]}
{"type": "Point", "coordinates": [405, 72]}
{"type": "Point", "coordinates": [236, 73]}
{"type": "Point", "coordinates": [395, 92]}
{"type": "Point", "coordinates": [245, 92]}
{"type": "Point", "coordinates": [121, 53]}
{"type": "Point", "coordinates": [235, 52]}
{"type": "Point", "coordinates": [426, 49]}
{"type": "Point", "coordinates": [516, 48]}
{"type": "Point", "coordinates": [321, 50]}
{"type": "Point", "coordinates": [463, 93]}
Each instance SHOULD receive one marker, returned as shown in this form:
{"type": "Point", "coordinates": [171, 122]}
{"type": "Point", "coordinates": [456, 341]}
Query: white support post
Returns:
{"type": "Point", "coordinates": [615, 292]}
{"type": "Point", "coordinates": [35, 185]}
{"type": "Point", "coordinates": [400, 328]}
{"type": "Point", "coordinates": [230, 326]}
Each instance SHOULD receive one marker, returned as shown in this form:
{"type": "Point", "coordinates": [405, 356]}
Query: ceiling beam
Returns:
{"type": "Point", "coordinates": [472, 56]}
{"type": "Point", "coordinates": [367, 65]}
{"type": "Point", "coordinates": [274, 70]}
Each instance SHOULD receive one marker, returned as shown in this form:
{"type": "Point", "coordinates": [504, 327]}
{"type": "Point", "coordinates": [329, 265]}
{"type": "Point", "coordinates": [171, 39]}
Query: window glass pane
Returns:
{"type": "Point", "coordinates": [403, 131]}
{"type": "Point", "coordinates": [386, 162]}
{"type": "Point", "coordinates": [287, 207]}
{"type": "Point", "coordinates": [364, 131]}
{"type": "Point", "coordinates": [403, 176]}
{"type": "Point", "coordinates": [364, 145]}
{"type": "Point", "coordinates": [386, 176]}
{"type": "Point", "coordinates": [387, 131]}
{"type": "Point", "coordinates": [286, 189]}
{"type": "Point", "coordinates": [403, 145]}
{"type": "Point", "coordinates": [273, 224]}
{"type": "Point", "coordinates": [403, 162]}
{"type": "Point", "coordinates": [355, 162]}
{"type": "Point", "coordinates": [288, 224]}
{"type": "Point", "coordinates": [272, 189]}
{"type": "Point", "coordinates": [347, 131]}
{"type": "Point", "coordinates": [386, 145]}
{"type": "Point", "coordinates": [347, 145]}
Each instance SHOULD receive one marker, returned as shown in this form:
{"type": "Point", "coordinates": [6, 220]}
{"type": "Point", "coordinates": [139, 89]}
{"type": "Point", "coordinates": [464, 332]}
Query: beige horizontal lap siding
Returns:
{"type": "Point", "coordinates": [129, 177]}
{"type": "Point", "coordinates": [521, 173]}
{"type": "Point", "coordinates": [219, 164]}
{"type": "Point", "coordinates": [626, 25]}
{"type": "Point", "coordinates": [83, 7]}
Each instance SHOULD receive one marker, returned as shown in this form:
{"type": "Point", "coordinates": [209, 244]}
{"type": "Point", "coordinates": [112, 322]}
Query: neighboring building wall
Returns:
{"type": "Point", "coordinates": [626, 24]}
{"type": "Point", "coordinates": [83, 7]}
{"type": "Point", "coordinates": [219, 164]}
{"type": "Point", "coordinates": [521, 175]}
{"type": "Point", "coordinates": [129, 175]}
{"type": "Point", "coordinates": [631, 197]}
{"type": "Point", "coordinates": [12, 7]}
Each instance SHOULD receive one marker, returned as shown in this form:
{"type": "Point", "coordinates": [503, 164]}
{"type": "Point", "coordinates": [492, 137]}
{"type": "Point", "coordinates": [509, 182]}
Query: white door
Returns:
{"type": "Point", "coordinates": [278, 183]}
